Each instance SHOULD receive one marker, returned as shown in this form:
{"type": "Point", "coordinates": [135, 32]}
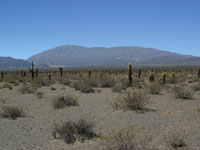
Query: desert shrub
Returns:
{"type": "Point", "coordinates": [125, 139]}
{"type": "Point", "coordinates": [83, 86]}
{"type": "Point", "coordinates": [182, 93]}
{"type": "Point", "coordinates": [123, 85]}
{"type": "Point", "coordinates": [76, 85]}
{"type": "Point", "coordinates": [16, 84]}
{"type": "Point", "coordinates": [154, 88]}
{"type": "Point", "coordinates": [136, 83]}
{"type": "Point", "coordinates": [71, 131]}
{"type": "Point", "coordinates": [62, 101]}
{"type": "Point", "coordinates": [11, 112]}
{"type": "Point", "coordinates": [106, 82]}
{"type": "Point", "coordinates": [39, 82]}
{"type": "Point", "coordinates": [175, 140]}
{"type": "Point", "coordinates": [196, 87]}
{"type": "Point", "coordinates": [87, 90]}
{"type": "Point", "coordinates": [8, 86]}
{"type": "Point", "coordinates": [64, 81]}
{"type": "Point", "coordinates": [93, 83]}
{"type": "Point", "coordinates": [132, 100]}
{"type": "Point", "coordinates": [39, 94]}
{"type": "Point", "coordinates": [53, 88]}
{"type": "Point", "coordinates": [26, 90]}
{"type": "Point", "coordinates": [172, 81]}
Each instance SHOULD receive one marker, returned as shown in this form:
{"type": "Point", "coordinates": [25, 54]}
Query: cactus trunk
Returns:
{"type": "Point", "coordinates": [130, 74]}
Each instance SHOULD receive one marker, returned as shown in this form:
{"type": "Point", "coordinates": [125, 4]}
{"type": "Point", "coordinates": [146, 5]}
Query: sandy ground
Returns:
{"type": "Point", "coordinates": [34, 132]}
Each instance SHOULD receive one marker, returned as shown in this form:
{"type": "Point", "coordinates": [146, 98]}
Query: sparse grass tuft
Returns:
{"type": "Point", "coordinates": [8, 86]}
{"type": "Point", "coordinates": [154, 88]}
{"type": "Point", "coordinates": [40, 94]}
{"type": "Point", "coordinates": [125, 139]}
{"type": "Point", "coordinates": [135, 100]}
{"type": "Point", "coordinates": [62, 102]}
{"type": "Point", "coordinates": [11, 112]}
{"type": "Point", "coordinates": [175, 140]}
{"type": "Point", "coordinates": [182, 93]}
{"type": "Point", "coordinates": [72, 131]}
{"type": "Point", "coordinates": [26, 90]}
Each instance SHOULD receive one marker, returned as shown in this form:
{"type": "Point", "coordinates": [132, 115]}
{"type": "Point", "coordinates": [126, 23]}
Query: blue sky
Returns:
{"type": "Point", "coordinates": [28, 27]}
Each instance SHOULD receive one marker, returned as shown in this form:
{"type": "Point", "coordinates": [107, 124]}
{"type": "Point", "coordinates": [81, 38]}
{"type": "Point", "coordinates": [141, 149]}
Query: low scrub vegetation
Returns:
{"type": "Point", "coordinates": [132, 100]}
{"type": "Point", "coordinates": [11, 112]}
{"type": "Point", "coordinates": [64, 101]}
{"type": "Point", "coordinates": [182, 93]}
{"type": "Point", "coordinates": [176, 140]}
{"type": "Point", "coordinates": [26, 90]}
{"type": "Point", "coordinates": [154, 88]}
{"type": "Point", "coordinates": [71, 131]}
{"type": "Point", "coordinates": [125, 139]}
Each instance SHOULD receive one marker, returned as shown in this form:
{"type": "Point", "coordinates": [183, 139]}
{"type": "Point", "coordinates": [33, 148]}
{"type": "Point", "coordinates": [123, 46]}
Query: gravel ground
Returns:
{"type": "Point", "coordinates": [34, 132]}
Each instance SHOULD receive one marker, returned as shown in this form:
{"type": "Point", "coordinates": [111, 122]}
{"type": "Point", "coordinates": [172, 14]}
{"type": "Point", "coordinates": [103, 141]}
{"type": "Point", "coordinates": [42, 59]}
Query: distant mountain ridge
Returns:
{"type": "Point", "coordinates": [79, 56]}
{"type": "Point", "coordinates": [12, 63]}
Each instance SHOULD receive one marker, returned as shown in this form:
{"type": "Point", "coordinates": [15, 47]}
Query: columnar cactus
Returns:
{"type": "Point", "coordinates": [1, 74]}
{"type": "Point", "coordinates": [49, 76]}
{"type": "Point", "coordinates": [151, 77]}
{"type": "Point", "coordinates": [101, 74]}
{"type": "Point", "coordinates": [89, 73]}
{"type": "Point", "coordinates": [61, 71]}
{"type": "Point", "coordinates": [173, 75]}
{"type": "Point", "coordinates": [199, 73]}
{"type": "Point", "coordinates": [32, 71]}
{"type": "Point", "coordinates": [139, 73]}
{"type": "Point", "coordinates": [36, 72]}
{"type": "Point", "coordinates": [164, 77]}
{"type": "Point", "coordinates": [130, 73]}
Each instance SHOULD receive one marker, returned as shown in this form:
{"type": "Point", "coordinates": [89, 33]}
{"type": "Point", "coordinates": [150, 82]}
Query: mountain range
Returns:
{"type": "Point", "coordinates": [79, 56]}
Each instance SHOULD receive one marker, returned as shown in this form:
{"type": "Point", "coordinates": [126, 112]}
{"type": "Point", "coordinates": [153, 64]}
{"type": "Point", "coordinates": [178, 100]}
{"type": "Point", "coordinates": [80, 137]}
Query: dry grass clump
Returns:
{"type": "Point", "coordinates": [123, 85]}
{"type": "Point", "coordinates": [132, 100]}
{"type": "Point", "coordinates": [71, 131]}
{"type": "Point", "coordinates": [196, 87]}
{"type": "Point", "coordinates": [11, 112]}
{"type": "Point", "coordinates": [83, 86]}
{"type": "Point", "coordinates": [107, 82]}
{"type": "Point", "coordinates": [175, 140]}
{"type": "Point", "coordinates": [40, 94]}
{"type": "Point", "coordinates": [64, 81]}
{"type": "Point", "coordinates": [62, 102]}
{"type": "Point", "coordinates": [26, 90]}
{"type": "Point", "coordinates": [8, 86]}
{"type": "Point", "coordinates": [39, 82]}
{"type": "Point", "coordinates": [125, 139]}
{"type": "Point", "coordinates": [182, 93]}
{"type": "Point", "coordinates": [154, 88]}
{"type": "Point", "coordinates": [53, 88]}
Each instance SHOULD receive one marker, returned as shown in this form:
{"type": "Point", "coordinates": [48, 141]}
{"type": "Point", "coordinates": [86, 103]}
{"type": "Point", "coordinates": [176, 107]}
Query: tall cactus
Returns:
{"type": "Point", "coordinates": [139, 73]}
{"type": "Point", "coordinates": [89, 73]}
{"type": "Point", "coordinates": [199, 73]}
{"type": "Point", "coordinates": [61, 71]}
{"type": "Point", "coordinates": [36, 72]}
{"type": "Point", "coordinates": [1, 74]}
{"type": "Point", "coordinates": [151, 77]}
{"type": "Point", "coordinates": [32, 71]}
{"type": "Point", "coordinates": [49, 76]}
{"type": "Point", "coordinates": [164, 77]}
{"type": "Point", "coordinates": [173, 76]}
{"type": "Point", "coordinates": [130, 73]}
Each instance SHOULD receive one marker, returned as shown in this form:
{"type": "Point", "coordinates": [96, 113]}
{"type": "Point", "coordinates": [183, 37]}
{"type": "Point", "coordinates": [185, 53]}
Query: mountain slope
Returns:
{"type": "Point", "coordinates": [11, 63]}
{"type": "Point", "coordinates": [100, 56]}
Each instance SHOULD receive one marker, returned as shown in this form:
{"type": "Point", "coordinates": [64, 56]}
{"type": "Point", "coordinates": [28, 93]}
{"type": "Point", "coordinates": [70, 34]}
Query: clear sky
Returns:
{"type": "Point", "coordinates": [28, 27]}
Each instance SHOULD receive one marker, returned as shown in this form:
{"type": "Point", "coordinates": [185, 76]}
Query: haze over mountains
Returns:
{"type": "Point", "coordinates": [79, 56]}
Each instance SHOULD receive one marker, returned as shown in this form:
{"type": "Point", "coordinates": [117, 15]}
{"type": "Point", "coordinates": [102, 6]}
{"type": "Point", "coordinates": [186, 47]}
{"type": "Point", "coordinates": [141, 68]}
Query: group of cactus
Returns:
{"type": "Point", "coordinates": [151, 75]}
